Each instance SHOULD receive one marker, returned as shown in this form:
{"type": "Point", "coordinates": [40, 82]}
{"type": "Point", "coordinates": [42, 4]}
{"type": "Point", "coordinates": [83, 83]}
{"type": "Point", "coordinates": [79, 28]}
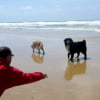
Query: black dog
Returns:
{"type": "Point", "coordinates": [75, 47]}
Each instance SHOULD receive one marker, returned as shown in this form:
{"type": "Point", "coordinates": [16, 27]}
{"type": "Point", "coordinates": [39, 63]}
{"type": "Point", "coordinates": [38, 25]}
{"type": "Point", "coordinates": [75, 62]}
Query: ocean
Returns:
{"type": "Point", "coordinates": [47, 30]}
{"type": "Point", "coordinates": [68, 25]}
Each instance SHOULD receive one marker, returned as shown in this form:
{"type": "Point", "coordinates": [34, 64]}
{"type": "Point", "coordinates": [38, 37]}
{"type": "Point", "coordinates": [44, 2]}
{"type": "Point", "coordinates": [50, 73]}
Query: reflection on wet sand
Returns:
{"type": "Point", "coordinates": [75, 69]}
{"type": "Point", "coordinates": [38, 58]}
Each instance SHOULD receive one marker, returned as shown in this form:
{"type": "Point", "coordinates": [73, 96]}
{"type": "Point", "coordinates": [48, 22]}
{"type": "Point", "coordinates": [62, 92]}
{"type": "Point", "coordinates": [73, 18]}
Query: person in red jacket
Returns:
{"type": "Point", "coordinates": [11, 76]}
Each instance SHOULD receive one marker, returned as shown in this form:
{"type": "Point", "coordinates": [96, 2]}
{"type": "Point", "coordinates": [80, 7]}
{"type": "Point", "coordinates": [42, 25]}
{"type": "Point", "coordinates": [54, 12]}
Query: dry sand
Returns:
{"type": "Point", "coordinates": [66, 80]}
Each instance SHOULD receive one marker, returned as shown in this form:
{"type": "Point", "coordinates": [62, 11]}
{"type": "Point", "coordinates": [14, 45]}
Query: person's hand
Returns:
{"type": "Point", "coordinates": [45, 76]}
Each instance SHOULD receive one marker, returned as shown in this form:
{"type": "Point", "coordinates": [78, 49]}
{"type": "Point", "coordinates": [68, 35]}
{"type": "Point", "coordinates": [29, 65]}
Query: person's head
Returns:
{"type": "Point", "coordinates": [6, 53]}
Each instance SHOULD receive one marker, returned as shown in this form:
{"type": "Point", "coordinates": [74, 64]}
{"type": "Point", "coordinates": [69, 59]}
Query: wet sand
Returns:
{"type": "Point", "coordinates": [66, 80]}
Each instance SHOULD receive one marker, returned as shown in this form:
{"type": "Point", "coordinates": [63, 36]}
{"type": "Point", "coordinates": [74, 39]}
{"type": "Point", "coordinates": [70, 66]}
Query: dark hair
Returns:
{"type": "Point", "coordinates": [5, 51]}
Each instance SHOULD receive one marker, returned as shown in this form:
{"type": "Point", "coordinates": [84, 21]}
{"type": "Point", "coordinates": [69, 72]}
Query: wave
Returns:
{"type": "Point", "coordinates": [68, 25]}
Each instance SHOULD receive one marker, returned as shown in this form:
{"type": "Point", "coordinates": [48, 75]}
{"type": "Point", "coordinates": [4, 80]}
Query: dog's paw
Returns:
{"type": "Point", "coordinates": [39, 52]}
{"type": "Point", "coordinates": [71, 60]}
{"type": "Point", "coordinates": [43, 53]}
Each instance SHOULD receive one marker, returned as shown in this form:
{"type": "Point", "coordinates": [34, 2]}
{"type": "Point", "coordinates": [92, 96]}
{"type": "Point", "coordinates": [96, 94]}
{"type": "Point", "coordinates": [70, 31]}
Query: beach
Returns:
{"type": "Point", "coordinates": [66, 80]}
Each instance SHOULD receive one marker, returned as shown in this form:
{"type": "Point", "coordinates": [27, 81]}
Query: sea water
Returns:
{"type": "Point", "coordinates": [53, 30]}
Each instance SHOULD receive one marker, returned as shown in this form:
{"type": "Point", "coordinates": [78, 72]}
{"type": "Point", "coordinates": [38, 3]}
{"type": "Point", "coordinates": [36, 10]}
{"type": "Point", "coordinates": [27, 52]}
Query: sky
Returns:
{"type": "Point", "coordinates": [49, 10]}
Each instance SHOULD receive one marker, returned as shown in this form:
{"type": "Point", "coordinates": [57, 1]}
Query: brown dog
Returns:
{"type": "Point", "coordinates": [38, 45]}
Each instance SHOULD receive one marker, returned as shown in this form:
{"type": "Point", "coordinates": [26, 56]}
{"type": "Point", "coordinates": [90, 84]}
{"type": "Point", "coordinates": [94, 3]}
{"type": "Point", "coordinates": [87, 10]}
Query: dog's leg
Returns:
{"type": "Point", "coordinates": [38, 50]}
{"type": "Point", "coordinates": [78, 54]}
{"type": "Point", "coordinates": [33, 49]}
{"type": "Point", "coordinates": [72, 55]}
{"type": "Point", "coordinates": [43, 50]}
{"type": "Point", "coordinates": [85, 56]}
{"type": "Point", "coordinates": [68, 55]}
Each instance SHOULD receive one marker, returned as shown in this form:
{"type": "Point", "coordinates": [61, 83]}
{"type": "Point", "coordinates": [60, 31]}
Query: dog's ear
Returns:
{"type": "Point", "coordinates": [70, 40]}
{"type": "Point", "coordinates": [64, 40]}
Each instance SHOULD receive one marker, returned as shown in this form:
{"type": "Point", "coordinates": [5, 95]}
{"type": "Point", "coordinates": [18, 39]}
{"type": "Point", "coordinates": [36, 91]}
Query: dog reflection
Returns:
{"type": "Point", "coordinates": [75, 69]}
{"type": "Point", "coordinates": [38, 58]}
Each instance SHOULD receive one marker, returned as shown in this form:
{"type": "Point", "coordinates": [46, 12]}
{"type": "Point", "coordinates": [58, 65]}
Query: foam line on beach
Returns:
{"type": "Point", "coordinates": [67, 25]}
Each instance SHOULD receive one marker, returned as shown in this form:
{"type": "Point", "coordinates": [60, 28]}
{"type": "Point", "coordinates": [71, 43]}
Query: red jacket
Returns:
{"type": "Point", "coordinates": [10, 76]}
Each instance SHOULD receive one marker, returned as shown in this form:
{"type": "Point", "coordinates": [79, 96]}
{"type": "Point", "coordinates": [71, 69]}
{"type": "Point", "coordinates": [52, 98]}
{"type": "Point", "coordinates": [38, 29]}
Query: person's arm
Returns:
{"type": "Point", "coordinates": [25, 78]}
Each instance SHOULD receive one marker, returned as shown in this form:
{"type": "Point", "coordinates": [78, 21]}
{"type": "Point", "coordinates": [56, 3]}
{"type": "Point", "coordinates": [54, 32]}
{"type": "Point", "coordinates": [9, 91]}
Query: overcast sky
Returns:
{"type": "Point", "coordinates": [49, 10]}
